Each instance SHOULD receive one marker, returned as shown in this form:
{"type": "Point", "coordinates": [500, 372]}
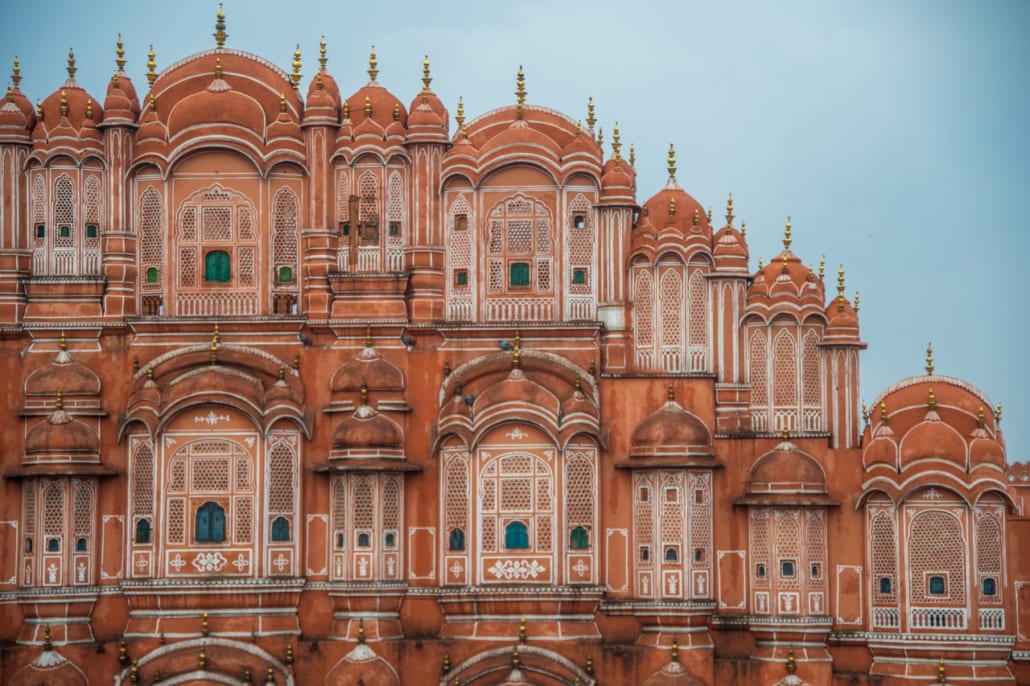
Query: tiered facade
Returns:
{"type": "Point", "coordinates": [312, 389]}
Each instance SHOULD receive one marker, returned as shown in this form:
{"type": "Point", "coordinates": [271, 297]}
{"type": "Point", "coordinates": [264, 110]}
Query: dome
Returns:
{"type": "Point", "coordinates": [17, 116]}
{"type": "Point", "coordinates": [518, 388]}
{"type": "Point", "coordinates": [279, 392]}
{"type": "Point", "coordinates": [121, 106]}
{"type": "Point", "coordinates": [370, 369]}
{"type": "Point", "coordinates": [49, 668]}
{"type": "Point", "coordinates": [374, 110]}
{"type": "Point", "coordinates": [582, 146]}
{"type": "Point", "coordinates": [673, 207]}
{"type": "Point", "coordinates": [218, 104]}
{"type": "Point", "coordinates": [578, 402]}
{"type": "Point", "coordinates": [64, 375]}
{"type": "Point", "coordinates": [367, 429]}
{"type": "Point", "coordinates": [361, 666]}
{"type": "Point", "coordinates": [786, 280]}
{"type": "Point", "coordinates": [671, 431]}
{"type": "Point", "coordinates": [59, 433]}
{"type": "Point", "coordinates": [673, 674]}
{"type": "Point", "coordinates": [984, 450]}
{"type": "Point", "coordinates": [518, 138]}
{"type": "Point", "coordinates": [882, 450]}
{"type": "Point", "coordinates": [283, 127]}
{"type": "Point", "coordinates": [70, 104]}
{"type": "Point", "coordinates": [618, 182]}
{"type": "Point", "coordinates": [843, 320]}
{"type": "Point", "coordinates": [932, 439]}
{"type": "Point", "coordinates": [323, 103]}
{"type": "Point", "coordinates": [729, 249]}
{"type": "Point", "coordinates": [785, 469]}
{"type": "Point", "coordinates": [427, 117]}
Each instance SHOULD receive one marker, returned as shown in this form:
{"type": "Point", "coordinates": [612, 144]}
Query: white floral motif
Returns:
{"type": "Point", "coordinates": [209, 562]}
{"type": "Point", "coordinates": [516, 569]}
{"type": "Point", "coordinates": [210, 418]}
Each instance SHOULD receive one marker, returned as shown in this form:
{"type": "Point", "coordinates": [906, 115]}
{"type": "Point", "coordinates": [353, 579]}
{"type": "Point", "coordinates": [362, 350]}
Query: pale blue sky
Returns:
{"type": "Point", "coordinates": [894, 133]}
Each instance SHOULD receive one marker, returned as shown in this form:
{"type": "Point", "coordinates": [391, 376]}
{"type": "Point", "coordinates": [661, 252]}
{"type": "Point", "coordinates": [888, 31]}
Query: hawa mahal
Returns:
{"type": "Point", "coordinates": [301, 387]}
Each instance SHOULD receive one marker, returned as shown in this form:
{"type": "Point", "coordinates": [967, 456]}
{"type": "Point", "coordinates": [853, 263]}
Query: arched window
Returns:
{"type": "Point", "coordinates": [671, 555]}
{"type": "Point", "coordinates": [216, 267]}
{"type": "Point", "coordinates": [516, 536]}
{"type": "Point", "coordinates": [990, 586]}
{"type": "Point", "coordinates": [53, 545]}
{"type": "Point", "coordinates": [364, 540]}
{"type": "Point", "coordinates": [143, 531]}
{"type": "Point", "coordinates": [80, 545]}
{"type": "Point", "coordinates": [579, 539]}
{"type": "Point", "coordinates": [280, 529]}
{"type": "Point", "coordinates": [457, 541]}
{"type": "Point", "coordinates": [210, 526]}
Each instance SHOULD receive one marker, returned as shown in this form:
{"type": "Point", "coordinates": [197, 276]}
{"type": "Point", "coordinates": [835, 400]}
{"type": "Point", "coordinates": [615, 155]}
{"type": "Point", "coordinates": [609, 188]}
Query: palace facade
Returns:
{"type": "Point", "coordinates": [321, 389]}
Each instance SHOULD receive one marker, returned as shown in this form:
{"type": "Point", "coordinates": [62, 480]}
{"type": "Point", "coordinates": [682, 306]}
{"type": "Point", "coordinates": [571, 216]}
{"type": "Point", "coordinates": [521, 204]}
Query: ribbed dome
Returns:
{"type": "Point", "coordinates": [674, 207]}
{"type": "Point", "coordinates": [517, 387]}
{"type": "Point", "coordinates": [69, 104]}
{"type": "Point", "coordinates": [121, 104]}
{"type": "Point", "coordinates": [49, 668]}
{"type": "Point", "coordinates": [64, 375]}
{"type": "Point", "coordinates": [370, 369]}
{"type": "Point", "coordinates": [361, 666]}
{"type": "Point", "coordinates": [218, 104]}
{"type": "Point", "coordinates": [59, 433]}
{"type": "Point", "coordinates": [367, 428]}
{"type": "Point", "coordinates": [383, 105]}
{"type": "Point", "coordinates": [932, 438]}
{"type": "Point", "coordinates": [671, 431]}
{"type": "Point", "coordinates": [17, 116]}
{"type": "Point", "coordinates": [618, 181]}
{"type": "Point", "coordinates": [673, 674]}
{"type": "Point", "coordinates": [785, 469]}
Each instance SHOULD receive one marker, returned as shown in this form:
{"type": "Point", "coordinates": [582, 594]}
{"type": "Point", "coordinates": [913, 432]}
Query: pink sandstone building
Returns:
{"type": "Point", "coordinates": [301, 388]}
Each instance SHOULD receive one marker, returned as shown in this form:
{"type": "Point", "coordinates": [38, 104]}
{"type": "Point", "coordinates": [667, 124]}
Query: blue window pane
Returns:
{"type": "Point", "coordinates": [760, 571]}
{"type": "Point", "coordinates": [885, 584]}
{"type": "Point", "coordinates": [80, 545]}
{"type": "Point", "coordinates": [579, 539]}
{"type": "Point", "coordinates": [210, 523]}
{"type": "Point", "coordinates": [280, 529]}
{"type": "Point", "coordinates": [53, 546]}
{"type": "Point", "coordinates": [516, 536]}
{"type": "Point", "coordinates": [937, 585]}
{"type": "Point", "coordinates": [389, 540]}
{"type": "Point", "coordinates": [990, 586]}
{"type": "Point", "coordinates": [787, 568]}
{"type": "Point", "coordinates": [457, 541]}
{"type": "Point", "coordinates": [28, 545]}
{"type": "Point", "coordinates": [364, 540]}
{"type": "Point", "coordinates": [671, 555]}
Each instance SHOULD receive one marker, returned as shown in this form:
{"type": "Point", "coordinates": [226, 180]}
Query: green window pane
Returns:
{"type": "Point", "coordinates": [518, 274]}
{"type": "Point", "coordinates": [91, 230]}
{"type": "Point", "coordinates": [152, 275]}
{"type": "Point", "coordinates": [461, 278]}
{"type": "Point", "coordinates": [285, 274]}
{"type": "Point", "coordinates": [65, 231]}
{"type": "Point", "coordinates": [579, 276]}
{"type": "Point", "coordinates": [216, 266]}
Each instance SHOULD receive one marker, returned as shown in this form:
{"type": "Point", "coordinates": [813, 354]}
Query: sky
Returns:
{"type": "Point", "coordinates": [893, 133]}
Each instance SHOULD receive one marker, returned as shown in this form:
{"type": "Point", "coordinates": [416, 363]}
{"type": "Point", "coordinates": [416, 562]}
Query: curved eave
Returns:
{"type": "Point", "coordinates": [61, 469]}
{"type": "Point", "coordinates": [351, 464]}
{"type": "Point", "coordinates": [672, 462]}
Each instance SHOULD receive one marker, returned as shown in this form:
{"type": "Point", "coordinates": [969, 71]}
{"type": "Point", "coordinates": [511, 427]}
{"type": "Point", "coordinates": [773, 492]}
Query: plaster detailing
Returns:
{"type": "Point", "coordinates": [306, 383]}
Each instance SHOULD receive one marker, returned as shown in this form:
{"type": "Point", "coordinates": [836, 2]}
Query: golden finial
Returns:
{"type": "Point", "coordinates": [632, 156]}
{"type": "Point", "coordinates": [760, 264]}
{"type": "Point", "coordinates": [932, 401]}
{"type": "Point", "coordinates": [282, 101]}
{"type": "Point", "coordinates": [670, 393]}
{"type": "Point", "coordinates": [579, 383]}
{"type": "Point", "coordinates": [840, 289]}
{"type": "Point", "coordinates": [318, 81]}
{"type": "Point", "coordinates": [929, 358]}
{"type": "Point", "coordinates": [697, 217]}
{"type": "Point", "coordinates": [822, 267]}
{"type": "Point", "coordinates": [729, 210]}
{"type": "Point", "coordinates": [123, 652]}
{"type": "Point", "coordinates": [460, 117]}
{"type": "Point", "coordinates": [785, 269]}
{"type": "Point", "coordinates": [64, 103]}
{"type": "Point", "coordinates": [446, 668]}
{"type": "Point", "coordinates": [134, 672]}
{"type": "Point", "coordinates": [368, 336]}
{"type": "Point", "coordinates": [16, 72]}
{"type": "Point", "coordinates": [856, 302]}
{"type": "Point", "coordinates": [591, 120]}
{"type": "Point", "coordinates": [672, 207]}
{"type": "Point", "coordinates": [270, 675]}
{"type": "Point", "coordinates": [600, 137]}
{"type": "Point", "coordinates": [364, 392]}
{"type": "Point", "coordinates": [120, 51]}
{"type": "Point", "coordinates": [522, 629]}
{"type": "Point", "coordinates": [346, 109]}
{"type": "Point", "coordinates": [89, 108]}
{"type": "Point", "coordinates": [47, 645]}
{"type": "Point", "coordinates": [865, 413]}
{"type": "Point", "coordinates": [515, 657]}
{"type": "Point", "coordinates": [361, 631]}
{"type": "Point", "coordinates": [135, 365]}
{"type": "Point", "coordinates": [282, 372]}
{"type": "Point", "coordinates": [672, 161]}
{"type": "Point", "coordinates": [373, 72]}
{"type": "Point", "coordinates": [589, 669]}
{"type": "Point", "coordinates": [446, 368]}
{"type": "Point", "coordinates": [785, 430]}
{"type": "Point", "coordinates": [593, 368]}
{"type": "Point", "coordinates": [220, 35]}
{"type": "Point", "coordinates": [151, 67]}
{"type": "Point", "coordinates": [674, 654]}
{"type": "Point", "coordinates": [786, 236]}
{"type": "Point", "coordinates": [153, 103]}
{"type": "Point", "coordinates": [743, 228]}
{"type": "Point", "coordinates": [215, 335]}
{"type": "Point", "coordinates": [64, 342]}
{"type": "Point", "coordinates": [295, 76]}
{"type": "Point", "coordinates": [368, 107]}
{"type": "Point", "coordinates": [204, 631]}
{"type": "Point", "coordinates": [426, 78]}
{"type": "Point", "coordinates": [980, 418]}
{"type": "Point", "coordinates": [997, 414]}
{"type": "Point", "coordinates": [218, 67]}
{"type": "Point", "coordinates": [71, 64]}
{"type": "Point", "coordinates": [202, 659]}
{"type": "Point", "coordinates": [289, 654]}
{"type": "Point", "coordinates": [150, 373]}
{"type": "Point", "coordinates": [396, 111]}
{"type": "Point", "coordinates": [520, 92]}
{"type": "Point", "coordinates": [616, 145]}
{"type": "Point", "coordinates": [942, 676]}
{"type": "Point", "coordinates": [791, 666]}
{"type": "Point", "coordinates": [296, 360]}
{"type": "Point", "coordinates": [883, 413]}
{"type": "Point", "coordinates": [322, 58]}
{"type": "Point", "coordinates": [247, 678]}
{"type": "Point", "coordinates": [114, 79]}
{"type": "Point", "coordinates": [810, 276]}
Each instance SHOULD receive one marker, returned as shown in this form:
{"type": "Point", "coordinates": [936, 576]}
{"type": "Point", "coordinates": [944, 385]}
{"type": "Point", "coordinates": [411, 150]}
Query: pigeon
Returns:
{"type": "Point", "coordinates": [407, 340]}
{"type": "Point", "coordinates": [505, 345]}
{"type": "Point", "coordinates": [469, 400]}
{"type": "Point", "coordinates": [304, 339]}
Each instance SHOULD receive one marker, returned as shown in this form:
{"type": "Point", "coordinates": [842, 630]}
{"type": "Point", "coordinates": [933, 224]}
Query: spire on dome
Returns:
{"type": "Point", "coordinates": [153, 103]}
{"type": "Point", "coordinates": [697, 217]}
{"type": "Point", "coordinates": [670, 393]}
{"type": "Point", "coordinates": [997, 414]}
{"type": "Point", "coordinates": [865, 413]}
{"type": "Point", "coordinates": [600, 138]}
{"type": "Point", "coordinates": [151, 67]}
{"type": "Point", "coordinates": [822, 267]}
{"type": "Point", "coordinates": [515, 657]}
{"type": "Point", "coordinates": [89, 108]}
{"type": "Point", "coordinates": [786, 235]}
{"type": "Point", "coordinates": [709, 215]}
{"type": "Point", "coordinates": [218, 67]}
{"type": "Point", "coordinates": [883, 413]}
{"type": "Point", "coordinates": [929, 359]}
{"type": "Point", "coordinates": [591, 120]}
{"type": "Point", "coordinates": [942, 676]}
{"type": "Point", "coordinates": [460, 117]}
{"type": "Point", "coordinates": [932, 400]}
{"type": "Point", "coordinates": [426, 78]}
{"type": "Point", "coordinates": [64, 103]}
{"type": "Point", "coordinates": [785, 269]}
{"type": "Point", "coordinates": [672, 161]}
{"type": "Point", "coordinates": [71, 64]}
{"type": "Point", "coordinates": [632, 156]}
{"type": "Point", "coordinates": [729, 210]}
{"type": "Point", "coordinates": [520, 92]}
{"type": "Point", "coordinates": [282, 101]}
{"type": "Point", "coordinates": [368, 106]}
{"type": "Point", "coordinates": [364, 393]}
{"type": "Point", "coordinates": [10, 93]}
{"type": "Point", "coordinates": [980, 418]}
{"type": "Point", "coordinates": [743, 228]}
{"type": "Point", "coordinates": [16, 72]}
{"type": "Point", "coordinates": [220, 35]}
{"type": "Point", "coordinates": [373, 72]}
{"type": "Point", "coordinates": [295, 76]}
{"type": "Point", "coordinates": [856, 302]}
{"type": "Point", "coordinates": [322, 59]}
{"type": "Point", "coordinates": [840, 289]}
{"type": "Point", "coordinates": [120, 51]}
{"type": "Point", "coordinates": [674, 653]}
{"type": "Point", "coordinates": [791, 666]}
{"type": "Point", "coordinates": [616, 145]}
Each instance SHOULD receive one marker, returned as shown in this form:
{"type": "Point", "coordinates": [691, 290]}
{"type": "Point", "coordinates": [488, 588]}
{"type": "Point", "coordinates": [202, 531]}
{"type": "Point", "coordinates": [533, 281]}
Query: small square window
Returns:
{"type": "Point", "coordinates": [699, 554]}
{"type": "Point", "coordinates": [816, 570]}
{"type": "Point", "coordinates": [936, 585]}
{"type": "Point", "coordinates": [65, 231]}
{"type": "Point", "coordinates": [285, 274]}
{"type": "Point", "coordinates": [579, 276]}
{"type": "Point", "coordinates": [40, 230]}
{"type": "Point", "coordinates": [152, 274]}
{"type": "Point", "coordinates": [787, 568]}
{"type": "Point", "coordinates": [390, 539]}
{"type": "Point", "coordinates": [672, 495]}
{"type": "Point", "coordinates": [990, 586]}
{"type": "Point", "coordinates": [345, 228]}
{"type": "Point", "coordinates": [461, 277]}
{"type": "Point", "coordinates": [885, 585]}
{"type": "Point", "coordinates": [760, 571]}
{"type": "Point", "coordinates": [81, 545]}
{"type": "Point", "coordinates": [645, 494]}
{"type": "Point", "coordinates": [364, 540]}
{"type": "Point", "coordinates": [395, 229]}
{"type": "Point", "coordinates": [91, 231]}
{"type": "Point", "coordinates": [518, 275]}
{"type": "Point", "coordinates": [645, 553]}
{"type": "Point", "coordinates": [341, 540]}
{"type": "Point", "coordinates": [461, 222]}
{"type": "Point", "coordinates": [579, 222]}
{"type": "Point", "coordinates": [672, 555]}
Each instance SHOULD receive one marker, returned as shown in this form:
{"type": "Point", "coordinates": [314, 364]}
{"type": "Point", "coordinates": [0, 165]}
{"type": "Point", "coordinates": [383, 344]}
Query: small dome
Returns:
{"type": "Point", "coordinates": [17, 116]}
{"type": "Point", "coordinates": [49, 668]}
{"type": "Point", "coordinates": [70, 103]}
{"type": "Point", "coordinates": [367, 429]}
{"type": "Point", "coordinates": [671, 431]}
{"type": "Point", "coordinates": [984, 450]}
{"type": "Point", "coordinates": [362, 667]}
{"type": "Point", "coordinates": [218, 104]}
{"type": "Point", "coordinates": [930, 439]}
{"type": "Point", "coordinates": [673, 674]}
{"type": "Point", "coordinates": [322, 108]}
{"type": "Point", "coordinates": [517, 387]}
{"type": "Point", "coordinates": [582, 146]}
{"type": "Point", "coordinates": [121, 106]}
{"type": "Point", "coordinates": [64, 375]}
{"type": "Point", "coordinates": [674, 207]}
{"type": "Point", "coordinates": [59, 433]}
{"type": "Point", "coordinates": [785, 469]}
{"type": "Point", "coordinates": [520, 138]}
{"type": "Point", "coordinates": [382, 103]}
{"type": "Point", "coordinates": [280, 392]}
{"type": "Point", "coordinates": [882, 450]}
{"type": "Point", "coordinates": [786, 280]}
{"type": "Point", "coordinates": [427, 118]}
{"type": "Point", "coordinates": [578, 402]}
{"type": "Point", "coordinates": [618, 182]}
{"type": "Point", "coordinates": [283, 127]}
{"type": "Point", "coordinates": [370, 369]}
{"type": "Point", "coordinates": [730, 249]}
